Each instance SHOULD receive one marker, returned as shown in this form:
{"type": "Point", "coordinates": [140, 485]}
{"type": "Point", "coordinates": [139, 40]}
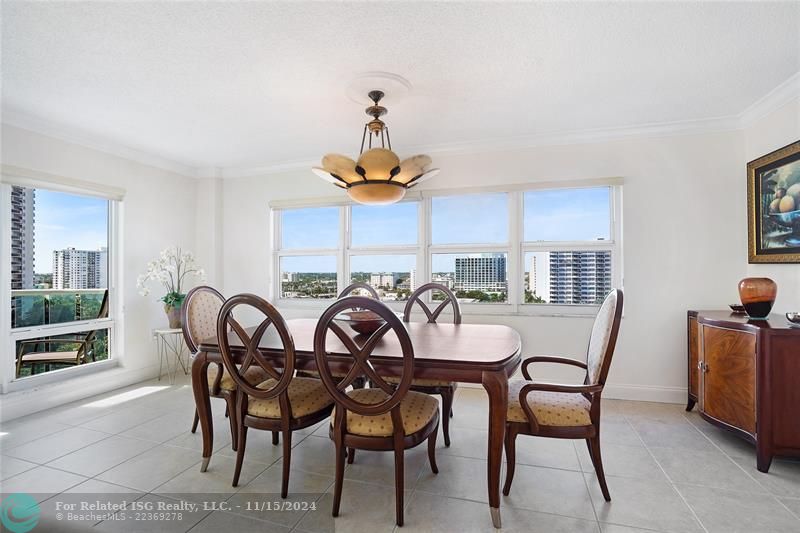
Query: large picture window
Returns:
{"type": "Point", "coordinates": [521, 250]}
{"type": "Point", "coordinates": [59, 298]}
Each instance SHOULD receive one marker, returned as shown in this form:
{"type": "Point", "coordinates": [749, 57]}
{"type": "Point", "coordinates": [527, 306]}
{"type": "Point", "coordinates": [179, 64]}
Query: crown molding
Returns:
{"type": "Point", "coordinates": [772, 101]}
{"type": "Point", "coordinates": [88, 140]}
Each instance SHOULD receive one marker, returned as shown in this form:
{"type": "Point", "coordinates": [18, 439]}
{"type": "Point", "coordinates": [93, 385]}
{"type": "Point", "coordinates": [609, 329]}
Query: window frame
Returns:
{"type": "Point", "coordinates": [515, 249]}
{"type": "Point", "coordinates": [8, 380]}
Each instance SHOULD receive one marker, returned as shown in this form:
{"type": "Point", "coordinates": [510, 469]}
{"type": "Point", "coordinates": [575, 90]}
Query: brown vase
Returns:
{"type": "Point", "coordinates": [758, 296]}
{"type": "Point", "coordinates": [174, 316]}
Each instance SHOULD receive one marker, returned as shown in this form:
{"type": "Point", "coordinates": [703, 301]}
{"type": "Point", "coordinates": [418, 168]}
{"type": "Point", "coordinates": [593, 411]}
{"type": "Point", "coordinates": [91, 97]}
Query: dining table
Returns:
{"type": "Point", "coordinates": [487, 354]}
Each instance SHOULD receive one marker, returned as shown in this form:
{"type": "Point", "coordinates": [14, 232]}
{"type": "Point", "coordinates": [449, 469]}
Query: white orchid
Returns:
{"type": "Point", "coordinates": [170, 269]}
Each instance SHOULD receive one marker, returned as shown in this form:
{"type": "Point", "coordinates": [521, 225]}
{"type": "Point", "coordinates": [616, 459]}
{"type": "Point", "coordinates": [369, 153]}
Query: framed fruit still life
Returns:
{"type": "Point", "coordinates": [773, 206]}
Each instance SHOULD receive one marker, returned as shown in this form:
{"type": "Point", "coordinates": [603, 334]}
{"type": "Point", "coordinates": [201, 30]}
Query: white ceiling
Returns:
{"type": "Point", "coordinates": [254, 84]}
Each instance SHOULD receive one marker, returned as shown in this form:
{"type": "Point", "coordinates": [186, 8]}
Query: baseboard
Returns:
{"type": "Point", "coordinates": [26, 402]}
{"type": "Point", "coordinates": [640, 393]}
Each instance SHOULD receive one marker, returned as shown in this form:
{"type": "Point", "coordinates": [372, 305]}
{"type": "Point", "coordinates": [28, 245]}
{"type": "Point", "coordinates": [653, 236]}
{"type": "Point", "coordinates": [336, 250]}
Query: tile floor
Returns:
{"type": "Point", "coordinates": [667, 471]}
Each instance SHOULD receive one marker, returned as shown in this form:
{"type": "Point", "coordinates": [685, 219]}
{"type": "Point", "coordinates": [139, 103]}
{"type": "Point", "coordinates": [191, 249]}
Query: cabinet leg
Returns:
{"type": "Point", "coordinates": [763, 459]}
{"type": "Point", "coordinates": [690, 404]}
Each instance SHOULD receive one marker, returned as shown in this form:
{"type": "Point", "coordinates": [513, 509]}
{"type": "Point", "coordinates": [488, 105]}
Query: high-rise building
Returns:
{"type": "Point", "coordinates": [80, 269]}
{"type": "Point", "coordinates": [23, 206]}
{"type": "Point", "coordinates": [483, 273]}
{"type": "Point", "coordinates": [579, 277]}
{"type": "Point", "coordinates": [384, 279]}
{"type": "Point", "coordinates": [539, 275]}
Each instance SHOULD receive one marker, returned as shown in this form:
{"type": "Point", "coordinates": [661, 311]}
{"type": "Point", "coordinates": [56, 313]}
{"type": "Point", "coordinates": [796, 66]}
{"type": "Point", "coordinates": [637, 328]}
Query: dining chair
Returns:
{"type": "Point", "coordinates": [445, 389]}
{"type": "Point", "coordinates": [199, 322]}
{"type": "Point", "coordinates": [85, 345]}
{"type": "Point", "coordinates": [282, 402]}
{"type": "Point", "coordinates": [355, 287]}
{"type": "Point", "coordinates": [384, 417]}
{"type": "Point", "coordinates": [566, 411]}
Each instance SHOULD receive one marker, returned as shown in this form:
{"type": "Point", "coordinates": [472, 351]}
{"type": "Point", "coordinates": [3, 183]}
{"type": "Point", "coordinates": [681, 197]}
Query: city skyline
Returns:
{"type": "Point", "coordinates": [65, 220]}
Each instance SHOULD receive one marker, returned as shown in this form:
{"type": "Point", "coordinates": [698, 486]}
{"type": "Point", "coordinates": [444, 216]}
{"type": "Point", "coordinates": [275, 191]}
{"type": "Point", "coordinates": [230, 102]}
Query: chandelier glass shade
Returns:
{"type": "Point", "coordinates": [378, 177]}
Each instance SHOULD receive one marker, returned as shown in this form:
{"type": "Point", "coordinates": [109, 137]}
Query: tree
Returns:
{"type": "Point", "coordinates": [533, 298]}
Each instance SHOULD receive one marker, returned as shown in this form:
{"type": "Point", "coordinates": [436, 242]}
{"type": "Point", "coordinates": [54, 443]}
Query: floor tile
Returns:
{"type": "Point", "coordinates": [11, 466]}
{"type": "Point", "coordinates": [305, 490]}
{"type": "Point", "coordinates": [120, 420]}
{"type": "Point", "coordinates": [554, 491]}
{"type": "Point", "coordinates": [439, 514]}
{"type": "Point", "coordinates": [364, 507]}
{"type": "Point", "coordinates": [47, 448]}
{"type": "Point", "coordinates": [458, 477]}
{"type": "Point", "coordinates": [179, 522]}
{"type": "Point", "coordinates": [41, 482]}
{"type": "Point", "coordinates": [710, 469]}
{"type": "Point", "coordinates": [27, 429]}
{"type": "Point", "coordinates": [150, 469]}
{"type": "Point", "coordinates": [100, 456]}
{"type": "Point", "coordinates": [314, 454]}
{"type": "Point", "coordinates": [726, 511]}
{"type": "Point", "coordinates": [793, 504]}
{"type": "Point", "coordinates": [619, 432]}
{"type": "Point", "coordinates": [221, 521]}
{"type": "Point", "coordinates": [616, 528]}
{"type": "Point", "coordinates": [56, 514]}
{"type": "Point", "coordinates": [259, 447]}
{"type": "Point", "coordinates": [541, 451]}
{"type": "Point", "coordinates": [783, 478]}
{"type": "Point", "coordinates": [642, 503]}
{"type": "Point", "coordinates": [192, 484]}
{"type": "Point", "coordinates": [621, 460]}
{"type": "Point", "coordinates": [672, 435]}
{"type": "Point", "coordinates": [378, 467]}
{"type": "Point", "coordinates": [161, 429]}
{"type": "Point", "coordinates": [194, 441]}
{"type": "Point", "coordinates": [464, 442]}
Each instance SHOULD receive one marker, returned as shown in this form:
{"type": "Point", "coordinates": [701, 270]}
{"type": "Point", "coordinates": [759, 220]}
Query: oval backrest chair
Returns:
{"type": "Point", "coordinates": [387, 416]}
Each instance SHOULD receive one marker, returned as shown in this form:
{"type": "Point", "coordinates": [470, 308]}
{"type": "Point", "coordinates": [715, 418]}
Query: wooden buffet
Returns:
{"type": "Point", "coordinates": [745, 377]}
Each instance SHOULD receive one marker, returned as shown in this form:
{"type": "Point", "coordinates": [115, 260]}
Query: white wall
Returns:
{"type": "Point", "coordinates": [158, 211]}
{"type": "Point", "coordinates": [776, 130]}
{"type": "Point", "coordinates": [684, 246]}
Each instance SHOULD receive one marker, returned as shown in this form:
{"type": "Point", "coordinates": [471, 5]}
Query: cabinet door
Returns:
{"type": "Point", "coordinates": [694, 378]}
{"type": "Point", "coordinates": [729, 376]}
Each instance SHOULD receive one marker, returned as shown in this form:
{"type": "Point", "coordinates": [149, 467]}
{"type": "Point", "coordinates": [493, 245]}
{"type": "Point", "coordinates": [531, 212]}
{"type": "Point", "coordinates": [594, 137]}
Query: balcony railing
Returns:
{"type": "Point", "coordinates": [37, 307]}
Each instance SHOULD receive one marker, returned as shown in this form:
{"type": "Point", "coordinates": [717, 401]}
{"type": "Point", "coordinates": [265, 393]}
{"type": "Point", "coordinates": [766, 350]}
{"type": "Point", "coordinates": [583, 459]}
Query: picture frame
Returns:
{"type": "Point", "coordinates": [773, 206]}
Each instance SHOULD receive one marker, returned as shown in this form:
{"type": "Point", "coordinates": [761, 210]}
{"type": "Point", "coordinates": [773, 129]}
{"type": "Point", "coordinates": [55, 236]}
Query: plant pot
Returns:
{"type": "Point", "coordinates": [174, 316]}
{"type": "Point", "coordinates": [758, 296]}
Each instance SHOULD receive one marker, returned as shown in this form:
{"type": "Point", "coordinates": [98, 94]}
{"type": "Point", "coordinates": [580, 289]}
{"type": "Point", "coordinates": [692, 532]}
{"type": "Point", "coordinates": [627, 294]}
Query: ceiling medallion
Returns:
{"type": "Point", "coordinates": [378, 177]}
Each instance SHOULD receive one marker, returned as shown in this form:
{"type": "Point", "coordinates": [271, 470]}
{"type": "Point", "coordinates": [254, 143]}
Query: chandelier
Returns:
{"type": "Point", "coordinates": [378, 177]}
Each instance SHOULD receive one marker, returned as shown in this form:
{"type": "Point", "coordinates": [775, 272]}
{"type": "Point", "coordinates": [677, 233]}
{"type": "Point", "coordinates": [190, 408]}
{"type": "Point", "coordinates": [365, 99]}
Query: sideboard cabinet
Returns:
{"type": "Point", "coordinates": [744, 375]}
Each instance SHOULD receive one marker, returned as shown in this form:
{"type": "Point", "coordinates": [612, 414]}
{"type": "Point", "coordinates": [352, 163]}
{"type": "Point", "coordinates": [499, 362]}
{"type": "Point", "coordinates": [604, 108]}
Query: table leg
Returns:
{"type": "Point", "coordinates": [496, 385]}
{"type": "Point", "coordinates": [202, 403]}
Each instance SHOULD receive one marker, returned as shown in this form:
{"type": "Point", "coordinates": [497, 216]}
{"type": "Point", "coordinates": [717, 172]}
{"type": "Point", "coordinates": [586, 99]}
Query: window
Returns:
{"type": "Point", "coordinates": [60, 279]}
{"type": "Point", "coordinates": [509, 248]}
{"type": "Point", "coordinates": [568, 246]}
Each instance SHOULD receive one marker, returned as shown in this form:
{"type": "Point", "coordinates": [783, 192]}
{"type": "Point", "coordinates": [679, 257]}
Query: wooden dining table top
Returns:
{"type": "Point", "coordinates": [483, 347]}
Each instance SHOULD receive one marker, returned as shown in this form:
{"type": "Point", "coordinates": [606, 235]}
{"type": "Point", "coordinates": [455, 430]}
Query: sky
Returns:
{"type": "Point", "coordinates": [67, 220]}
{"type": "Point", "coordinates": [549, 215]}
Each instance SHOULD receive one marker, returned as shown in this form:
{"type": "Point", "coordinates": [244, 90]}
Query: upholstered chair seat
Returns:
{"type": "Point", "coordinates": [562, 409]}
{"type": "Point", "coordinates": [253, 375]}
{"type": "Point", "coordinates": [306, 396]}
{"type": "Point", "coordinates": [417, 410]}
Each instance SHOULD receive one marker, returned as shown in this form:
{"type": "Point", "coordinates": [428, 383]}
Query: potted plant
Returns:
{"type": "Point", "coordinates": [171, 269]}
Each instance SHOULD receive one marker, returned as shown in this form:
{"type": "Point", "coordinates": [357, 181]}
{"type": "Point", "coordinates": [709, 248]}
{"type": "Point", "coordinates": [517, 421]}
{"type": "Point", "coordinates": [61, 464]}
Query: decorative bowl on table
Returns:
{"type": "Point", "coordinates": [791, 222]}
{"type": "Point", "coordinates": [738, 309]}
{"type": "Point", "coordinates": [363, 321]}
{"type": "Point", "coordinates": [794, 319]}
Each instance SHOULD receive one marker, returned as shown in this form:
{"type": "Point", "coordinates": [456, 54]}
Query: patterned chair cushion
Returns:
{"type": "Point", "coordinates": [315, 374]}
{"type": "Point", "coordinates": [253, 375]}
{"type": "Point", "coordinates": [550, 408]}
{"type": "Point", "coordinates": [416, 409]}
{"type": "Point", "coordinates": [421, 382]}
{"type": "Point", "coordinates": [306, 396]}
{"type": "Point", "coordinates": [201, 315]}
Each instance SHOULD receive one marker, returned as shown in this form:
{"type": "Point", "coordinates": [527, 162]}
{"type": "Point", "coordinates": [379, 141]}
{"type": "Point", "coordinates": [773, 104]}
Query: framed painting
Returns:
{"type": "Point", "coordinates": [773, 206]}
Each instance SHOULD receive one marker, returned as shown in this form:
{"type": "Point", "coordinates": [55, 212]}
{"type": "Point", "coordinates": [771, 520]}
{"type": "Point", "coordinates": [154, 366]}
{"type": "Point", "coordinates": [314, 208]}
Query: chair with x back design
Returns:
{"type": "Point", "coordinates": [446, 389]}
{"type": "Point", "coordinates": [386, 417]}
{"type": "Point", "coordinates": [282, 402]}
